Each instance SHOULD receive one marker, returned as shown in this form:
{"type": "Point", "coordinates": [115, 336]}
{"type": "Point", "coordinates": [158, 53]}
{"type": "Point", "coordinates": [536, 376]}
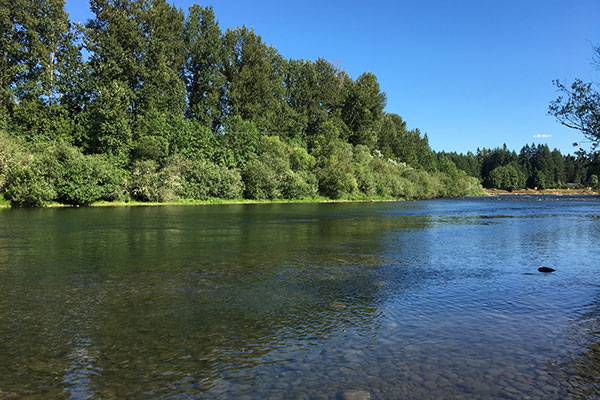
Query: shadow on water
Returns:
{"type": "Point", "coordinates": [160, 301]}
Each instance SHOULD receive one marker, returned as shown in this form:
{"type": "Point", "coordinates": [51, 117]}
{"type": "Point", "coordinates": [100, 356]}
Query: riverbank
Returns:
{"type": "Point", "coordinates": [554, 192]}
{"type": "Point", "coordinates": [184, 202]}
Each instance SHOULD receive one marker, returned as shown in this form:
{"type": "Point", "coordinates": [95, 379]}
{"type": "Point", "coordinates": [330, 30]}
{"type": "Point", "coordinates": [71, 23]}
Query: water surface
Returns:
{"type": "Point", "coordinates": [434, 299]}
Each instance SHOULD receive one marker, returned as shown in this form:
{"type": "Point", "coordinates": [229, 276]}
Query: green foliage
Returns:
{"type": "Point", "coordinates": [153, 130]}
{"type": "Point", "coordinates": [203, 68]}
{"type": "Point", "coordinates": [335, 172]}
{"type": "Point", "coordinates": [594, 182]}
{"type": "Point", "coordinates": [59, 172]}
{"type": "Point", "coordinates": [507, 177]}
{"type": "Point", "coordinates": [149, 182]}
{"type": "Point", "coordinates": [300, 160]}
{"type": "Point", "coordinates": [578, 108]}
{"type": "Point", "coordinates": [279, 171]}
{"type": "Point", "coordinates": [261, 181]}
{"type": "Point", "coordinates": [36, 42]}
{"type": "Point", "coordinates": [164, 106]}
{"type": "Point", "coordinates": [28, 187]}
{"type": "Point", "coordinates": [203, 179]}
{"type": "Point", "coordinates": [242, 139]}
{"type": "Point", "coordinates": [389, 182]}
{"type": "Point", "coordinates": [362, 109]}
{"type": "Point", "coordinates": [11, 155]}
{"type": "Point", "coordinates": [110, 126]}
{"type": "Point", "coordinates": [539, 179]}
{"type": "Point", "coordinates": [81, 179]}
{"type": "Point", "coordinates": [299, 185]}
{"type": "Point", "coordinates": [24, 178]}
{"type": "Point", "coordinates": [335, 182]}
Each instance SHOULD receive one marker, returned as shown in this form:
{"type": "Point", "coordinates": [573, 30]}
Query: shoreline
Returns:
{"type": "Point", "coordinates": [552, 192]}
{"type": "Point", "coordinates": [189, 202]}
{"type": "Point", "coordinates": [318, 200]}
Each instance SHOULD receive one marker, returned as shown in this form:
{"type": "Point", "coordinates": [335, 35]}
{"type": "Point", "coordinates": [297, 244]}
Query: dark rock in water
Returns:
{"type": "Point", "coordinates": [354, 395]}
{"type": "Point", "coordinates": [546, 269]}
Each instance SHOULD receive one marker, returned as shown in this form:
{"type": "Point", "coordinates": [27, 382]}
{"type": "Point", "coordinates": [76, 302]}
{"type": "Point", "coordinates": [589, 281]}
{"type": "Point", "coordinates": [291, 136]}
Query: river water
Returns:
{"type": "Point", "coordinates": [420, 300]}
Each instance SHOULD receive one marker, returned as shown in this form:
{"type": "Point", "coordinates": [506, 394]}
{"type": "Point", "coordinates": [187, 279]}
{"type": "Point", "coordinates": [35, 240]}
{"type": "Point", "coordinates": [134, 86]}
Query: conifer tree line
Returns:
{"type": "Point", "coordinates": [146, 101]}
{"type": "Point", "coordinates": [533, 167]}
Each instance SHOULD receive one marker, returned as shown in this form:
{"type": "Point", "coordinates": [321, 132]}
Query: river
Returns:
{"type": "Point", "coordinates": [427, 299]}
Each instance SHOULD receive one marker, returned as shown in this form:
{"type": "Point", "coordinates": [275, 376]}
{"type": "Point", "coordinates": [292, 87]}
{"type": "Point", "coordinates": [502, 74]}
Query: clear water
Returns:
{"type": "Point", "coordinates": [420, 300]}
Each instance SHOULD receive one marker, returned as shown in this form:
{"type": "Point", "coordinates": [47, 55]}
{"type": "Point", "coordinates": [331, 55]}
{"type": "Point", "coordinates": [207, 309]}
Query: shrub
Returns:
{"type": "Point", "coordinates": [83, 179]}
{"type": "Point", "coordinates": [203, 179]}
{"type": "Point", "coordinates": [336, 182]}
{"type": "Point", "coordinates": [261, 181]}
{"type": "Point", "coordinates": [28, 185]}
{"type": "Point", "coordinates": [336, 172]}
{"type": "Point", "coordinates": [149, 183]}
{"type": "Point", "coordinates": [11, 155]}
{"type": "Point", "coordinates": [299, 185]}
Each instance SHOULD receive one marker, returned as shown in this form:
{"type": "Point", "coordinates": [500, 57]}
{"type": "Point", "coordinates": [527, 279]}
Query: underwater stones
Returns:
{"type": "Point", "coordinates": [36, 366]}
{"type": "Point", "coordinates": [546, 269]}
{"type": "Point", "coordinates": [354, 395]}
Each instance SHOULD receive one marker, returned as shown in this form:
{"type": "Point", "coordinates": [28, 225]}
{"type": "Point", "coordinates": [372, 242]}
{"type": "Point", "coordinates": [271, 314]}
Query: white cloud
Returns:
{"type": "Point", "coordinates": [542, 135]}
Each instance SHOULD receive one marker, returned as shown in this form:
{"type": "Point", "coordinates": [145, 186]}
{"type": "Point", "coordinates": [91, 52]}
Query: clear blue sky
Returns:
{"type": "Point", "coordinates": [470, 74]}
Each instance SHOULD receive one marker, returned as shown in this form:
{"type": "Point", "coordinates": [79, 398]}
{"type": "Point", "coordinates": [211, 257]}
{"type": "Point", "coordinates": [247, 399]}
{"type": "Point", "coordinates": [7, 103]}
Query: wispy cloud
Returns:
{"type": "Point", "coordinates": [542, 135]}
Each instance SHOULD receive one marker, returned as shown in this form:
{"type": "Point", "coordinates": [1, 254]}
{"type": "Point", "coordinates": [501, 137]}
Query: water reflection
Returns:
{"type": "Point", "coordinates": [425, 299]}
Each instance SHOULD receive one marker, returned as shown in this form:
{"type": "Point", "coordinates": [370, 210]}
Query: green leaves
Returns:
{"type": "Point", "coordinates": [507, 177]}
{"type": "Point", "coordinates": [164, 105]}
{"type": "Point", "coordinates": [204, 65]}
{"type": "Point", "coordinates": [578, 108]}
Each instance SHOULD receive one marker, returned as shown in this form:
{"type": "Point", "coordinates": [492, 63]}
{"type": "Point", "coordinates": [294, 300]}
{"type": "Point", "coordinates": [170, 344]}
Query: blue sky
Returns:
{"type": "Point", "coordinates": [468, 73]}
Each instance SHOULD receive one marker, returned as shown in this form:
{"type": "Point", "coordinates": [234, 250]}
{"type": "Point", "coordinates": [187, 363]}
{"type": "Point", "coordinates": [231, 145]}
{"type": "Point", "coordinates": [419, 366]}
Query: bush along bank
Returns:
{"type": "Point", "coordinates": [37, 175]}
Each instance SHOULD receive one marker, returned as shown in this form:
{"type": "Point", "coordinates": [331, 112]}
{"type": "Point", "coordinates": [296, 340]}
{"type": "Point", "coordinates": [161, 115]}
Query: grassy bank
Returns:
{"type": "Point", "coordinates": [191, 202]}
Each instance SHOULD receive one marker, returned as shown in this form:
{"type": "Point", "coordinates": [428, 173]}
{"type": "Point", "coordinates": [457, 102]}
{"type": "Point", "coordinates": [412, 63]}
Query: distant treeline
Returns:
{"type": "Point", "coordinates": [146, 101]}
{"type": "Point", "coordinates": [533, 167]}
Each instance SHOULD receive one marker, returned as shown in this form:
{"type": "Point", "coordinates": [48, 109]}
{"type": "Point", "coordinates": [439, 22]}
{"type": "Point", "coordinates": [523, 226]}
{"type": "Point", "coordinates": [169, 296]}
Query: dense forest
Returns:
{"type": "Point", "coordinates": [533, 167]}
{"type": "Point", "coordinates": [147, 102]}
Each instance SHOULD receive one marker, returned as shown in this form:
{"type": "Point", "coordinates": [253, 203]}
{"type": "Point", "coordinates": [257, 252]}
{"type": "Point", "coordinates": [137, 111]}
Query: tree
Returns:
{"type": "Point", "coordinates": [507, 177]}
{"type": "Point", "coordinates": [35, 61]}
{"type": "Point", "coordinates": [250, 70]}
{"type": "Point", "coordinates": [363, 108]}
{"type": "Point", "coordinates": [578, 107]}
{"type": "Point", "coordinates": [203, 68]}
{"type": "Point", "coordinates": [136, 63]}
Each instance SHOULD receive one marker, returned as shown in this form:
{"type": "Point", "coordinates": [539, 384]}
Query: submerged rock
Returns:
{"type": "Point", "coordinates": [546, 269]}
{"type": "Point", "coordinates": [37, 366]}
{"type": "Point", "coordinates": [355, 395]}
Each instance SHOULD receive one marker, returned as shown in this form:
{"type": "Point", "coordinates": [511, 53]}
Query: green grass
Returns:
{"type": "Point", "coordinates": [318, 199]}
{"type": "Point", "coordinates": [3, 202]}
